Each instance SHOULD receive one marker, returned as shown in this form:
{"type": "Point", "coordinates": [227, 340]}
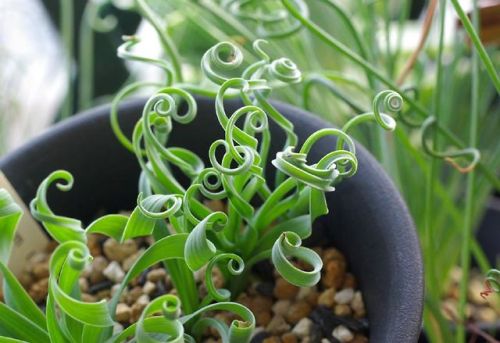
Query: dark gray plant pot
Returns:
{"type": "Point", "coordinates": [368, 220]}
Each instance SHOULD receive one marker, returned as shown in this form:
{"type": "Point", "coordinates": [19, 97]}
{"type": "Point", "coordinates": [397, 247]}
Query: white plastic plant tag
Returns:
{"type": "Point", "coordinates": [30, 237]}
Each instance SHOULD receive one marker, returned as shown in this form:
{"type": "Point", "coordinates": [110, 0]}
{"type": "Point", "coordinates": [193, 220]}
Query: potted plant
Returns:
{"type": "Point", "coordinates": [267, 171]}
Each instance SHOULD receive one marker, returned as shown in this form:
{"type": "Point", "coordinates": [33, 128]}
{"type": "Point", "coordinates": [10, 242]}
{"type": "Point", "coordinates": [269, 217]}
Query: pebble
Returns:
{"type": "Point", "coordinates": [149, 287]}
{"type": "Point", "coordinates": [325, 340]}
{"type": "Point", "coordinates": [349, 281]}
{"type": "Point", "coordinates": [344, 296]}
{"type": "Point", "coordinates": [342, 333]}
{"type": "Point", "coordinates": [259, 336]}
{"type": "Point", "coordinates": [115, 251]}
{"type": "Point", "coordinates": [331, 254]}
{"type": "Point", "coordinates": [272, 339]}
{"type": "Point", "coordinates": [358, 305]}
{"type": "Point", "coordinates": [334, 274]}
{"type": "Point", "coordinates": [123, 313]}
{"type": "Point", "coordinates": [88, 298]}
{"type": "Point", "coordinates": [262, 318]}
{"type": "Point", "coordinates": [281, 307]}
{"type": "Point", "coordinates": [298, 310]}
{"type": "Point", "coordinates": [327, 297]}
{"type": "Point", "coordinates": [285, 290]}
{"type": "Point", "coordinates": [303, 327]}
{"type": "Point", "coordinates": [133, 295]}
{"type": "Point", "coordinates": [138, 307]}
{"type": "Point", "coordinates": [474, 292]}
{"type": "Point", "coordinates": [342, 310]}
{"type": "Point", "coordinates": [156, 275]}
{"type": "Point", "coordinates": [39, 290]}
{"type": "Point", "coordinates": [96, 268]}
{"type": "Point", "coordinates": [486, 314]}
{"type": "Point", "coordinates": [278, 326]}
{"type": "Point", "coordinates": [114, 272]}
{"type": "Point", "coordinates": [84, 284]}
{"type": "Point", "coordinates": [41, 270]}
{"type": "Point", "coordinates": [129, 261]}
{"type": "Point", "coordinates": [289, 338]}
{"type": "Point", "coordinates": [93, 243]}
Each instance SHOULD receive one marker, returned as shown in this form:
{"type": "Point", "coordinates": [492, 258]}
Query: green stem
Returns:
{"type": "Point", "coordinates": [469, 196]}
{"type": "Point", "coordinates": [167, 44]}
{"type": "Point", "coordinates": [480, 50]}
{"type": "Point", "coordinates": [66, 18]}
{"type": "Point", "coordinates": [86, 74]}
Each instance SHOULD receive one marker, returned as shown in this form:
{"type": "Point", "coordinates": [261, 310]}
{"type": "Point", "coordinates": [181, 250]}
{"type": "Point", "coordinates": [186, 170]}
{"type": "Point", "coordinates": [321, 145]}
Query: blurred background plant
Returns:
{"type": "Point", "coordinates": [442, 56]}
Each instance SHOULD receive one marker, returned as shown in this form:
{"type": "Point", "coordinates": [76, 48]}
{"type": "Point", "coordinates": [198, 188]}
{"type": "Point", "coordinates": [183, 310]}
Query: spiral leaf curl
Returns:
{"type": "Point", "coordinates": [60, 228]}
{"type": "Point", "coordinates": [450, 156]}
{"type": "Point", "coordinates": [235, 266]}
{"type": "Point", "coordinates": [493, 278]}
{"type": "Point", "coordinates": [270, 19]}
{"type": "Point", "coordinates": [289, 245]}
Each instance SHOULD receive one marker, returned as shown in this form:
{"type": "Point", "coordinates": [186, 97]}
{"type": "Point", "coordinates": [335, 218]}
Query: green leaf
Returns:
{"type": "Point", "coordinates": [10, 215]}
{"type": "Point", "coordinates": [199, 250]}
{"type": "Point", "coordinates": [170, 247]}
{"type": "Point", "coordinates": [288, 245]}
{"type": "Point", "coordinates": [143, 219]}
{"type": "Point", "coordinates": [67, 262]}
{"type": "Point", "coordinates": [15, 325]}
{"type": "Point", "coordinates": [18, 299]}
{"type": "Point", "coordinates": [60, 228]}
{"type": "Point", "coordinates": [111, 225]}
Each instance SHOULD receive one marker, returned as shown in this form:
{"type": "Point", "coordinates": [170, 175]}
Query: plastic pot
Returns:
{"type": "Point", "coordinates": [368, 220]}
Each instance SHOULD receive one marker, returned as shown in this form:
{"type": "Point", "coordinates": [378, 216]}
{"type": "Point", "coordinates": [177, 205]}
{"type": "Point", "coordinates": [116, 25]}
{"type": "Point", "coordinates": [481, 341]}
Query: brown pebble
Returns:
{"type": "Point", "coordinates": [88, 298]}
{"type": "Point", "coordinates": [138, 307]}
{"type": "Point", "coordinates": [262, 318]}
{"type": "Point", "coordinates": [39, 290]}
{"type": "Point", "coordinates": [260, 303]}
{"type": "Point", "coordinates": [123, 313]}
{"type": "Point", "coordinates": [149, 287]}
{"type": "Point", "coordinates": [331, 254]}
{"type": "Point", "coordinates": [349, 281]}
{"type": "Point", "coordinates": [285, 290]}
{"type": "Point", "coordinates": [41, 270]}
{"type": "Point", "coordinates": [334, 274]}
{"type": "Point", "coordinates": [278, 326]}
{"type": "Point", "coordinates": [51, 246]}
{"type": "Point", "coordinates": [133, 295]}
{"type": "Point", "coordinates": [359, 338]}
{"type": "Point", "coordinates": [94, 245]}
{"type": "Point", "coordinates": [281, 307]}
{"type": "Point", "coordinates": [96, 268]}
{"type": "Point", "coordinates": [272, 339]}
{"type": "Point", "coordinates": [342, 310]}
{"type": "Point", "coordinates": [289, 338]}
{"type": "Point", "coordinates": [115, 251]}
{"type": "Point", "coordinates": [327, 298]}
{"type": "Point", "coordinates": [26, 279]}
{"type": "Point", "coordinates": [156, 275]}
{"type": "Point", "coordinates": [298, 310]}
{"type": "Point", "coordinates": [84, 284]}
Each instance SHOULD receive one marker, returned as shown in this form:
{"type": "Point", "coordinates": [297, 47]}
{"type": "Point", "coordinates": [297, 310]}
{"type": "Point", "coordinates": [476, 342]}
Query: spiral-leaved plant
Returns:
{"type": "Point", "coordinates": [265, 219]}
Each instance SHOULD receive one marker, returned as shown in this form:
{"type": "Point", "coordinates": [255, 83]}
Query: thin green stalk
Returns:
{"type": "Point", "coordinates": [66, 19]}
{"type": "Point", "coordinates": [469, 195]}
{"type": "Point", "coordinates": [480, 50]}
{"type": "Point", "coordinates": [419, 108]}
{"type": "Point", "coordinates": [429, 243]}
{"type": "Point", "coordinates": [86, 61]}
{"type": "Point", "coordinates": [166, 42]}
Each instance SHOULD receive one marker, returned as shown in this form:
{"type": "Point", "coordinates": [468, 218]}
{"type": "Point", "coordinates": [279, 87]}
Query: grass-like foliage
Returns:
{"type": "Point", "coordinates": [265, 219]}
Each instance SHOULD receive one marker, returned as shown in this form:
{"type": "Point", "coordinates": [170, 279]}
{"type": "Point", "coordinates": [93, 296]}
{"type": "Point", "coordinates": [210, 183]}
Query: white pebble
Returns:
{"type": "Point", "coordinates": [149, 287]}
{"type": "Point", "coordinates": [342, 333]}
{"type": "Point", "coordinates": [344, 296]}
{"type": "Point", "coordinates": [114, 272]}
{"type": "Point", "coordinates": [303, 327]}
